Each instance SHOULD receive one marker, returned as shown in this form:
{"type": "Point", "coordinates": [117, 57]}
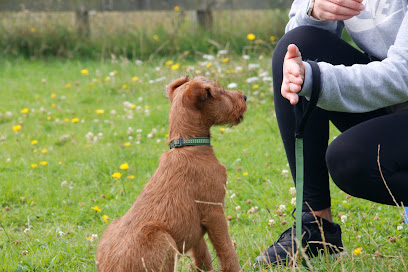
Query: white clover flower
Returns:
{"type": "Point", "coordinates": [232, 85]}
{"type": "Point", "coordinates": [113, 112]}
{"type": "Point", "coordinates": [222, 52]}
{"type": "Point", "coordinates": [285, 172]}
{"type": "Point", "coordinates": [292, 191]}
{"type": "Point", "coordinates": [100, 136]}
{"type": "Point", "coordinates": [26, 230]}
{"type": "Point", "coordinates": [139, 130]}
{"type": "Point", "coordinates": [130, 130]}
{"type": "Point", "coordinates": [252, 79]}
{"type": "Point", "coordinates": [399, 227]}
{"type": "Point", "coordinates": [139, 62]}
{"type": "Point", "coordinates": [233, 195]}
{"type": "Point", "coordinates": [293, 201]}
{"type": "Point", "coordinates": [238, 208]}
{"type": "Point", "coordinates": [61, 233]}
{"type": "Point", "coordinates": [282, 208]}
{"type": "Point", "coordinates": [208, 57]}
{"type": "Point", "coordinates": [93, 237]}
{"type": "Point", "coordinates": [140, 99]}
{"type": "Point", "coordinates": [252, 66]}
{"type": "Point", "coordinates": [266, 78]}
{"type": "Point", "coordinates": [246, 57]}
{"type": "Point", "coordinates": [271, 222]}
{"type": "Point", "coordinates": [160, 79]}
{"type": "Point", "coordinates": [239, 68]}
{"type": "Point", "coordinates": [343, 218]}
{"type": "Point", "coordinates": [64, 183]}
{"type": "Point", "coordinates": [8, 114]}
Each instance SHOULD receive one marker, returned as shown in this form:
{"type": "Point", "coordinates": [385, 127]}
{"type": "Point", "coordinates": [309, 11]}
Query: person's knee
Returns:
{"type": "Point", "coordinates": [345, 165]}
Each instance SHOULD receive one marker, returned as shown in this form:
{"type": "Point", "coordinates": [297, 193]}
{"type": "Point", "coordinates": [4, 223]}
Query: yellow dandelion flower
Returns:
{"type": "Point", "coordinates": [105, 218]}
{"type": "Point", "coordinates": [222, 129]}
{"type": "Point", "coordinates": [126, 144]}
{"type": "Point", "coordinates": [176, 8]}
{"type": "Point", "coordinates": [33, 30]}
{"type": "Point", "coordinates": [17, 128]}
{"type": "Point", "coordinates": [44, 150]}
{"type": "Point", "coordinates": [53, 95]}
{"type": "Point", "coordinates": [96, 209]}
{"type": "Point", "coordinates": [156, 38]}
{"type": "Point", "coordinates": [185, 53]}
{"type": "Point", "coordinates": [208, 65]}
{"type": "Point", "coordinates": [24, 111]}
{"type": "Point", "coordinates": [133, 106]}
{"type": "Point", "coordinates": [34, 165]}
{"type": "Point", "coordinates": [43, 163]}
{"type": "Point", "coordinates": [135, 78]}
{"type": "Point", "coordinates": [124, 166]}
{"type": "Point", "coordinates": [175, 66]}
{"type": "Point", "coordinates": [60, 162]}
{"type": "Point", "coordinates": [115, 72]}
{"type": "Point", "coordinates": [116, 175]}
{"type": "Point", "coordinates": [225, 60]}
{"type": "Point", "coordinates": [84, 72]}
{"type": "Point", "coordinates": [169, 62]}
{"type": "Point", "coordinates": [35, 150]}
{"type": "Point", "coordinates": [34, 142]}
{"type": "Point", "coordinates": [107, 79]}
{"type": "Point", "coordinates": [357, 251]}
{"type": "Point", "coordinates": [66, 120]}
{"type": "Point", "coordinates": [251, 37]}
{"type": "Point", "coordinates": [147, 107]}
{"type": "Point", "coordinates": [91, 83]}
{"type": "Point", "coordinates": [167, 135]}
{"type": "Point", "coordinates": [124, 86]}
{"type": "Point", "coordinates": [75, 120]}
{"type": "Point", "coordinates": [245, 174]}
{"type": "Point", "coordinates": [131, 177]}
{"type": "Point", "coordinates": [272, 38]}
{"type": "Point", "coordinates": [48, 118]}
{"type": "Point", "coordinates": [255, 86]}
{"type": "Point", "coordinates": [67, 85]}
{"type": "Point", "coordinates": [100, 111]}
{"type": "Point", "coordinates": [53, 105]}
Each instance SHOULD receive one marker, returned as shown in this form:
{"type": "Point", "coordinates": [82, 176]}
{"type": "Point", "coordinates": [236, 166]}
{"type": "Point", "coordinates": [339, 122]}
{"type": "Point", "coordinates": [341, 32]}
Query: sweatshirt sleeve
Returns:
{"type": "Point", "coordinates": [363, 88]}
{"type": "Point", "coordinates": [298, 17]}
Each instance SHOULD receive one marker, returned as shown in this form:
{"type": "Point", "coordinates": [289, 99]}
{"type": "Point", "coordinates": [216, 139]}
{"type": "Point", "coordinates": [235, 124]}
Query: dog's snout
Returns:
{"type": "Point", "coordinates": [245, 97]}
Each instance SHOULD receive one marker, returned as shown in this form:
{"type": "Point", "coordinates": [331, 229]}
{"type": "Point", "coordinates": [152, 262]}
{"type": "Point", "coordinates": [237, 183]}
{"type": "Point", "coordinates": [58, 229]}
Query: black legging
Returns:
{"type": "Point", "coordinates": [351, 157]}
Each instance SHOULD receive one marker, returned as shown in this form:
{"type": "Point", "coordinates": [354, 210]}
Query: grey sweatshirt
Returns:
{"type": "Point", "coordinates": [381, 30]}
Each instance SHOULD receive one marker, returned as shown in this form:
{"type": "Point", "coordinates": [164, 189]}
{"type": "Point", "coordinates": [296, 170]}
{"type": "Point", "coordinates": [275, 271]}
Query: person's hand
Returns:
{"type": "Point", "coordinates": [336, 10]}
{"type": "Point", "coordinates": [293, 74]}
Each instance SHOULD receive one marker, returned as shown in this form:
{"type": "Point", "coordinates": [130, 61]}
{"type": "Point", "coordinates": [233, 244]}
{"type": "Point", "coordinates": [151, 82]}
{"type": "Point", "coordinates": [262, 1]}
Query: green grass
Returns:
{"type": "Point", "coordinates": [46, 212]}
{"type": "Point", "coordinates": [137, 35]}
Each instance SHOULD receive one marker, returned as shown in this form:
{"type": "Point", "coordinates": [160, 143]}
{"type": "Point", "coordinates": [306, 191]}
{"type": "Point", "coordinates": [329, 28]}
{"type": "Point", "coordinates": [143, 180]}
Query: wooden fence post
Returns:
{"type": "Point", "coordinates": [82, 21]}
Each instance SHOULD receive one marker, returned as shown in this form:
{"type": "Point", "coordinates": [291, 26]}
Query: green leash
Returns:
{"type": "Point", "coordinates": [302, 115]}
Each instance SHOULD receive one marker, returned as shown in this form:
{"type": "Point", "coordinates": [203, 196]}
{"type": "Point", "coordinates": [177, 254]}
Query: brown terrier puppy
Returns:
{"type": "Point", "coordinates": [184, 199]}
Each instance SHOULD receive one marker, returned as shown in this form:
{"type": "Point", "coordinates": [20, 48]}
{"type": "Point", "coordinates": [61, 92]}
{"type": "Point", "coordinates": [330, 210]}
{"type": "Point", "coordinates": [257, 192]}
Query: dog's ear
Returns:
{"type": "Point", "coordinates": [200, 91]}
{"type": "Point", "coordinates": [174, 85]}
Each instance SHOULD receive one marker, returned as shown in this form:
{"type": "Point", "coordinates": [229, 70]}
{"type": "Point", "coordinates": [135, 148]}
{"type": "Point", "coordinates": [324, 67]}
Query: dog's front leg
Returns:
{"type": "Point", "coordinates": [202, 256]}
{"type": "Point", "coordinates": [217, 229]}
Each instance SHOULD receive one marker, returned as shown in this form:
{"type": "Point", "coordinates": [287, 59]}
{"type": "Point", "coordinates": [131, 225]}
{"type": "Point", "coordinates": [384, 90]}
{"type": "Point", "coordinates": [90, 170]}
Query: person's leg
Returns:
{"type": "Point", "coordinates": [352, 159]}
{"type": "Point", "coordinates": [318, 45]}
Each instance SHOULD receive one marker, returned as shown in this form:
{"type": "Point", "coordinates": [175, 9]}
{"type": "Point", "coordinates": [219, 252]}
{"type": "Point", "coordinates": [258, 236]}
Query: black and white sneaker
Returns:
{"type": "Point", "coordinates": [283, 250]}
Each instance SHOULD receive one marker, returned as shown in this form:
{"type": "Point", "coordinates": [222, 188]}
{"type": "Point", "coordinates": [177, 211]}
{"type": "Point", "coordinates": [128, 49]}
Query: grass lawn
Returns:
{"type": "Point", "coordinates": [66, 132]}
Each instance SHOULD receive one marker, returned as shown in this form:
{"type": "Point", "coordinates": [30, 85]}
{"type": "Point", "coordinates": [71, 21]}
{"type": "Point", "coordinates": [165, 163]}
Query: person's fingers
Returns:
{"type": "Point", "coordinates": [294, 88]}
{"type": "Point", "coordinates": [336, 9]}
{"type": "Point", "coordinates": [294, 79]}
{"type": "Point", "coordinates": [293, 52]}
{"type": "Point", "coordinates": [286, 93]}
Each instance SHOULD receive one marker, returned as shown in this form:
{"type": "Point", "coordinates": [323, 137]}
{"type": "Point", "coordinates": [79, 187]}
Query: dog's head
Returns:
{"type": "Point", "coordinates": [206, 98]}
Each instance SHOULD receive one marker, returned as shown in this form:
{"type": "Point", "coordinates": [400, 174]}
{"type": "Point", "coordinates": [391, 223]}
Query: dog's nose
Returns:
{"type": "Point", "coordinates": [245, 97]}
